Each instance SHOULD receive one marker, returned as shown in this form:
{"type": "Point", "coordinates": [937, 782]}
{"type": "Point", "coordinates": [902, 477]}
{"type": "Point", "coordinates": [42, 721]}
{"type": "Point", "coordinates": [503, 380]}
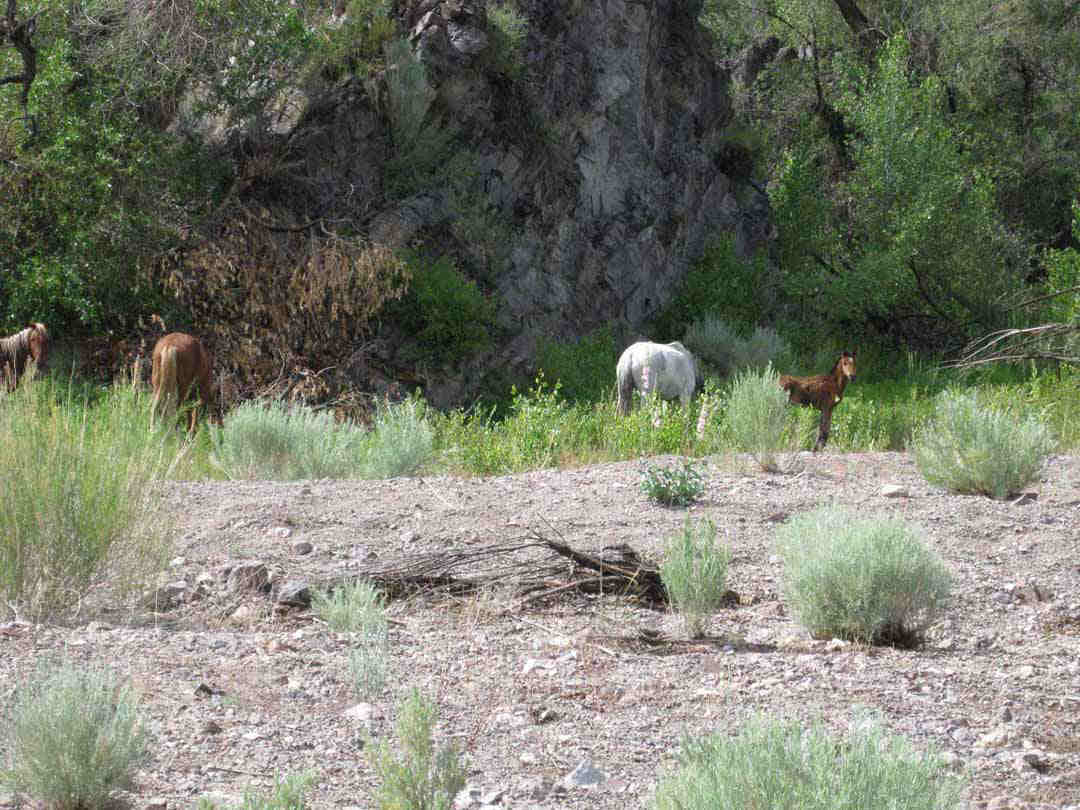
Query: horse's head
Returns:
{"type": "Point", "coordinates": [846, 366]}
{"type": "Point", "coordinates": [37, 342]}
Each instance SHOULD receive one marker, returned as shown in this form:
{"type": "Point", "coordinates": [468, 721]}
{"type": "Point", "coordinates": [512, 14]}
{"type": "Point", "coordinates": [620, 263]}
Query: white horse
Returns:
{"type": "Point", "coordinates": [667, 369]}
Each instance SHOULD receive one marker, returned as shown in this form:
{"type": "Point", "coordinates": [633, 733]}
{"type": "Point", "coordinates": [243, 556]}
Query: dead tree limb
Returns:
{"type": "Point", "coordinates": [19, 33]}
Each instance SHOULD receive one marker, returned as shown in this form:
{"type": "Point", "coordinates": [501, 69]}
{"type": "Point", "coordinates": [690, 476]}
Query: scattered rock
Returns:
{"type": "Point", "coordinates": [895, 491]}
{"type": "Point", "coordinates": [250, 576]}
{"type": "Point", "coordinates": [302, 547]}
{"type": "Point", "coordinates": [294, 592]}
{"type": "Point", "coordinates": [584, 775]}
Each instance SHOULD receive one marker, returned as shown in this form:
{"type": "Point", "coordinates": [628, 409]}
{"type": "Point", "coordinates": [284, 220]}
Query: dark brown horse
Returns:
{"type": "Point", "coordinates": [32, 343]}
{"type": "Point", "coordinates": [823, 392]}
{"type": "Point", "coordinates": [181, 368]}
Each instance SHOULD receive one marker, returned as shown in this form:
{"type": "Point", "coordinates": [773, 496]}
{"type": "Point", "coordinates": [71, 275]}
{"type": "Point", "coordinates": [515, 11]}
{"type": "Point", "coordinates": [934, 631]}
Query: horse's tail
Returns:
{"type": "Point", "coordinates": [624, 377]}
{"type": "Point", "coordinates": [167, 389]}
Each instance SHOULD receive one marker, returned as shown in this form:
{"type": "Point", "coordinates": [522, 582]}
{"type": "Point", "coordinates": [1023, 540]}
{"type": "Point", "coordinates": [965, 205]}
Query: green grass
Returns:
{"type": "Point", "coordinates": [780, 764]}
{"type": "Point", "coordinates": [75, 738]}
{"type": "Point", "coordinates": [864, 578]}
{"type": "Point", "coordinates": [694, 572]}
{"type": "Point", "coordinates": [79, 478]}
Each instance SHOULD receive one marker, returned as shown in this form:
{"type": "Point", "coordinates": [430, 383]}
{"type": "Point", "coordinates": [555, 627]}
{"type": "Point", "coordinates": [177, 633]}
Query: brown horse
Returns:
{"type": "Point", "coordinates": [32, 343]}
{"type": "Point", "coordinates": [180, 366]}
{"type": "Point", "coordinates": [823, 392]}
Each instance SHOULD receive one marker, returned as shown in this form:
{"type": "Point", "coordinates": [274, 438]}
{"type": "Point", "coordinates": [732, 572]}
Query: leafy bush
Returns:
{"type": "Point", "coordinates": [724, 285]}
{"type": "Point", "coordinates": [758, 416]}
{"type": "Point", "coordinates": [422, 777]}
{"type": "Point", "coordinates": [355, 44]}
{"type": "Point", "coordinates": [867, 579]}
{"type": "Point", "coordinates": [778, 764]}
{"type": "Point", "coordinates": [75, 738]}
{"type": "Point", "coordinates": [76, 484]}
{"type": "Point", "coordinates": [267, 439]}
{"type": "Point", "coordinates": [969, 447]}
{"type": "Point", "coordinates": [694, 573]}
{"type": "Point", "coordinates": [445, 312]}
{"type": "Point", "coordinates": [725, 350]}
{"type": "Point", "coordinates": [670, 486]}
{"type": "Point", "coordinates": [401, 441]}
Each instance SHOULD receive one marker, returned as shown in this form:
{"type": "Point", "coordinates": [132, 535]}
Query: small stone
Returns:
{"type": "Point", "coordinates": [252, 576]}
{"type": "Point", "coordinates": [584, 775]}
{"type": "Point", "coordinates": [294, 592]}
{"type": "Point", "coordinates": [280, 532]}
{"type": "Point", "coordinates": [895, 491]}
{"type": "Point", "coordinates": [302, 547]}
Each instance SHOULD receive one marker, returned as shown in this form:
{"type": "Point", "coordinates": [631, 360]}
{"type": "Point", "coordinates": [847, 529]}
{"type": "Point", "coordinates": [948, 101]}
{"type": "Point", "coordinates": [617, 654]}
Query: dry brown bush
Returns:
{"type": "Point", "coordinates": [289, 306]}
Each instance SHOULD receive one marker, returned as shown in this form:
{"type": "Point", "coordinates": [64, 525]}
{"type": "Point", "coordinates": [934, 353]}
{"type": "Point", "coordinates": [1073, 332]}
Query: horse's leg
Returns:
{"type": "Point", "coordinates": [823, 428]}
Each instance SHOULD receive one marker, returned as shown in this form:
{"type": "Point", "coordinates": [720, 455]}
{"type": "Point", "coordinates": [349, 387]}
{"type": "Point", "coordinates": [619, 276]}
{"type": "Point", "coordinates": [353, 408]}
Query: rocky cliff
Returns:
{"type": "Point", "coordinates": [599, 163]}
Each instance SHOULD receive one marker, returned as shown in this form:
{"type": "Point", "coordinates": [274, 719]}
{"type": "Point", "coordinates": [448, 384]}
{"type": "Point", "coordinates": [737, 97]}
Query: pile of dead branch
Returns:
{"type": "Point", "coordinates": [537, 570]}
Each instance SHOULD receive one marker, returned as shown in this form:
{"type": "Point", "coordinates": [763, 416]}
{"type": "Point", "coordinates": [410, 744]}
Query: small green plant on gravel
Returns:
{"type": "Point", "coordinates": [780, 764]}
{"type": "Point", "coordinates": [672, 486]}
{"type": "Point", "coordinates": [290, 793]}
{"type": "Point", "coordinates": [359, 608]}
{"type": "Point", "coordinates": [422, 776]}
{"type": "Point", "coordinates": [969, 446]}
{"type": "Point", "coordinates": [758, 417]}
{"type": "Point", "coordinates": [356, 607]}
{"type": "Point", "coordinates": [74, 738]}
{"type": "Point", "coordinates": [867, 579]}
{"type": "Point", "coordinates": [694, 573]}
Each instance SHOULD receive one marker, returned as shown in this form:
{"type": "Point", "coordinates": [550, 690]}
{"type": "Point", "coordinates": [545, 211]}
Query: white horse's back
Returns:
{"type": "Point", "coordinates": [667, 369]}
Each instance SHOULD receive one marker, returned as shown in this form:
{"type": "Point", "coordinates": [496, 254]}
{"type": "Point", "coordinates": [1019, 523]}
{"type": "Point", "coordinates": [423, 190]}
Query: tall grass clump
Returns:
{"type": "Point", "coordinates": [359, 608]}
{"type": "Point", "coordinates": [401, 441]}
{"type": "Point", "coordinates": [758, 417]}
{"type": "Point", "coordinates": [77, 484]}
{"type": "Point", "coordinates": [867, 579]}
{"type": "Point", "coordinates": [271, 440]}
{"type": "Point", "coordinates": [694, 572]}
{"type": "Point", "coordinates": [779, 764]}
{"type": "Point", "coordinates": [421, 776]}
{"type": "Point", "coordinates": [74, 738]}
{"type": "Point", "coordinates": [971, 447]}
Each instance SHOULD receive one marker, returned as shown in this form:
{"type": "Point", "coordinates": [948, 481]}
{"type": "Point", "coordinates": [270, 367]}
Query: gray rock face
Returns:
{"type": "Point", "coordinates": [609, 215]}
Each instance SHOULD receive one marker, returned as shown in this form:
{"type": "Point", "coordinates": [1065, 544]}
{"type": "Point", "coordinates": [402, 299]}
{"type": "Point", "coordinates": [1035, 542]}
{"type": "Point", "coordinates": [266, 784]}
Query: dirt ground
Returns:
{"type": "Point", "coordinates": [237, 687]}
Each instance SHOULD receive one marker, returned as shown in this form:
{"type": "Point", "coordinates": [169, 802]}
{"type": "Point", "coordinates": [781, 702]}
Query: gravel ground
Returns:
{"type": "Point", "coordinates": [236, 687]}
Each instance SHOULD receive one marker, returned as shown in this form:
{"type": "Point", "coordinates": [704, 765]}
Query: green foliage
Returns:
{"type": "Point", "coordinates": [722, 285]}
{"type": "Point", "coordinates": [924, 227]}
{"type": "Point", "coordinates": [758, 417]}
{"type": "Point", "coordinates": [77, 482]}
{"type": "Point", "coordinates": [444, 311]}
{"type": "Point", "coordinates": [507, 39]}
{"type": "Point", "coordinates": [971, 447]}
{"type": "Point", "coordinates": [355, 45]}
{"type": "Point", "coordinates": [422, 776]}
{"type": "Point", "coordinates": [866, 579]}
{"type": "Point", "coordinates": [672, 486]}
{"type": "Point", "coordinates": [75, 738]}
{"type": "Point", "coordinates": [421, 140]}
{"type": "Point", "coordinates": [1063, 274]}
{"type": "Point", "coordinates": [694, 572]}
{"type": "Point", "coordinates": [584, 369]}
{"type": "Point", "coordinates": [780, 764]}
